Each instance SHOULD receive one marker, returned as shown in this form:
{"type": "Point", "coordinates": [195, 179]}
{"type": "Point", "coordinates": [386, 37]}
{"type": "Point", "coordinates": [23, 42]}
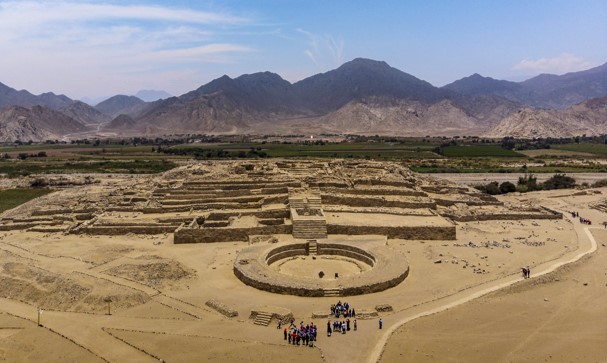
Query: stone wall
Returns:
{"type": "Point", "coordinates": [122, 230]}
{"type": "Point", "coordinates": [550, 214]}
{"type": "Point", "coordinates": [222, 308]}
{"type": "Point", "coordinates": [401, 232]}
{"type": "Point", "coordinates": [390, 268]}
{"type": "Point", "coordinates": [264, 214]}
{"type": "Point", "coordinates": [403, 192]}
{"type": "Point", "coordinates": [376, 202]}
{"type": "Point", "coordinates": [390, 183]}
{"type": "Point", "coordinates": [210, 235]}
{"type": "Point", "coordinates": [49, 212]}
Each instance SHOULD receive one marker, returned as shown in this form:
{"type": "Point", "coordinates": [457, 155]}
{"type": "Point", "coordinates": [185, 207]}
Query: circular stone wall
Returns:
{"type": "Point", "coordinates": [382, 268]}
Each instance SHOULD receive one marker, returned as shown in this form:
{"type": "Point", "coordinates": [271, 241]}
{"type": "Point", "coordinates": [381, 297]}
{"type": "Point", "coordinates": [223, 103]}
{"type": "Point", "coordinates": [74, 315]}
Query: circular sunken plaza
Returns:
{"type": "Point", "coordinates": [330, 268]}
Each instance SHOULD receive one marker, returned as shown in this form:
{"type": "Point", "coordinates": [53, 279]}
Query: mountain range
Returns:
{"type": "Point", "coordinates": [362, 96]}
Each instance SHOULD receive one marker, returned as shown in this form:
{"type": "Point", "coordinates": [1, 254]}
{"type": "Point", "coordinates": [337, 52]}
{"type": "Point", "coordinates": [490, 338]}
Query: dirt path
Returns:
{"type": "Point", "coordinates": [393, 322]}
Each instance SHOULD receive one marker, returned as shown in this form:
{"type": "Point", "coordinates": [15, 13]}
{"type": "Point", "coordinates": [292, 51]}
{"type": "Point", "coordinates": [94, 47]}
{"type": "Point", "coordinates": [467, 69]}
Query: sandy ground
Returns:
{"type": "Point", "coordinates": [558, 317]}
{"type": "Point", "coordinates": [159, 290]}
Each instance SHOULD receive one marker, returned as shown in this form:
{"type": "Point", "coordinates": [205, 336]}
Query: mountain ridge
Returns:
{"type": "Point", "coordinates": [363, 96]}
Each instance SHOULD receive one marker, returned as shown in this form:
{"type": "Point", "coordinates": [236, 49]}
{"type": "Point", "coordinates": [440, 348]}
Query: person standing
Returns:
{"type": "Point", "coordinates": [355, 326]}
{"type": "Point", "coordinates": [528, 272]}
{"type": "Point", "coordinates": [381, 322]}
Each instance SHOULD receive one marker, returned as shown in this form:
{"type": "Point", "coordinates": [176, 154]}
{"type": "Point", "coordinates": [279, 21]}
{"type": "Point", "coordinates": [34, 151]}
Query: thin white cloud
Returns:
{"type": "Point", "coordinates": [325, 51]}
{"type": "Point", "coordinates": [43, 11]}
{"type": "Point", "coordinates": [85, 48]}
{"type": "Point", "coordinates": [563, 63]}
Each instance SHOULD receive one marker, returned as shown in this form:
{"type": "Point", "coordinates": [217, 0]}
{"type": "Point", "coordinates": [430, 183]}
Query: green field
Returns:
{"type": "Point", "coordinates": [479, 151]}
{"type": "Point", "coordinates": [413, 150]}
{"type": "Point", "coordinates": [11, 198]}
{"type": "Point", "coordinates": [419, 154]}
{"type": "Point", "coordinates": [27, 167]}
{"type": "Point", "coordinates": [598, 149]}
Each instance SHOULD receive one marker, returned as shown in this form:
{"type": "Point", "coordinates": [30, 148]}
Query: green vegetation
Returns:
{"type": "Point", "coordinates": [528, 183]}
{"type": "Point", "coordinates": [340, 150]}
{"type": "Point", "coordinates": [478, 151]}
{"type": "Point", "coordinates": [598, 149]}
{"type": "Point", "coordinates": [11, 198]}
{"type": "Point", "coordinates": [21, 168]}
{"type": "Point", "coordinates": [426, 155]}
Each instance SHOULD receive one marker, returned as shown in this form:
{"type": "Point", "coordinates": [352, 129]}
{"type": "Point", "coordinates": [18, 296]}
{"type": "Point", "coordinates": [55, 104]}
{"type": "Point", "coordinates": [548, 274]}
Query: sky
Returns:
{"type": "Point", "coordinates": [101, 48]}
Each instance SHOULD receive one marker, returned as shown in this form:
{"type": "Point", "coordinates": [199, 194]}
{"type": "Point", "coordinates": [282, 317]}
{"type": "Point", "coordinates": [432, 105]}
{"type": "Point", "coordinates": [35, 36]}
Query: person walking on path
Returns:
{"type": "Point", "coordinates": [380, 323]}
{"type": "Point", "coordinates": [528, 272]}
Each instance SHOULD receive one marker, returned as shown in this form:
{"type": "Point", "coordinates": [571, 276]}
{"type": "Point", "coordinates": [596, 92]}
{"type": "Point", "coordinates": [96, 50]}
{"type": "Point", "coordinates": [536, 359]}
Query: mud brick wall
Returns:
{"type": "Point", "coordinates": [266, 214]}
{"type": "Point", "coordinates": [509, 217]}
{"type": "Point", "coordinates": [210, 235]}
{"type": "Point", "coordinates": [385, 182]}
{"type": "Point", "coordinates": [122, 230]}
{"type": "Point", "coordinates": [276, 199]}
{"type": "Point", "coordinates": [427, 233]}
{"type": "Point", "coordinates": [404, 192]}
{"type": "Point", "coordinates": [49, 212]}
{"type": "Point", "coordinates": [449, 202]}
{"type": "Point", "coordinates": [374, 202]}
{"type": "Point", "coordinates": [16, 226]}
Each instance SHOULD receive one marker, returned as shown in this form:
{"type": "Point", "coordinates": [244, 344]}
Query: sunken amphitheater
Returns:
{"type": "Point", "coordinates": [339, 213]}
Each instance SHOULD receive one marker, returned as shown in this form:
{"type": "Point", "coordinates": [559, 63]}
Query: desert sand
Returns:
{"type": "Point", "coordinates": [463, 300]}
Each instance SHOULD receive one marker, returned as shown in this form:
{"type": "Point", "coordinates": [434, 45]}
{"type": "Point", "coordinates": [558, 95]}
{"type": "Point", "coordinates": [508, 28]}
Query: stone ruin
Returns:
{"type": "Point", "coordinates": [224, 201]}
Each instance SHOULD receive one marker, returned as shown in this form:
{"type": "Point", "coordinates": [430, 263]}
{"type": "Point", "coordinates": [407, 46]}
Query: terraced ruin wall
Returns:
{"type": "Point", "coordinates": [509, 216]}
{"type": "Point", "coordinates": [411, 233]}
{"type": "Point", "coordinates": [381, 192]}
{"type": "Point", "coordinates": [110, 230]}
{"type": "Point", "coordinates": [210, 235]}
{"type": "Point", "coordinates": [375, 202]}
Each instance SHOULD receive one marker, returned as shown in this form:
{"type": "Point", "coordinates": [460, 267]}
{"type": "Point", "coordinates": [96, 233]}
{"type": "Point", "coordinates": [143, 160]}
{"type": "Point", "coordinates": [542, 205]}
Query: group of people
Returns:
{"type": "Point", "coordinates": [342, 309]}
{"type": "Point", "coordinates": [340, 326]}
{"type": "Point", "coordinates": [576, 214]}
{"type": "Point", "coordinates": [305, 335]}
{"type": "Point", "coordinates": [526, 272]}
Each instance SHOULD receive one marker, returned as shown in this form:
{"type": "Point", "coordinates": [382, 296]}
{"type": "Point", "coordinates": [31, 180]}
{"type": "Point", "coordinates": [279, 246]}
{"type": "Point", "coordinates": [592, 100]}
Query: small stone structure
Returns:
{"type": "Point", "coordinates": [222, 308]}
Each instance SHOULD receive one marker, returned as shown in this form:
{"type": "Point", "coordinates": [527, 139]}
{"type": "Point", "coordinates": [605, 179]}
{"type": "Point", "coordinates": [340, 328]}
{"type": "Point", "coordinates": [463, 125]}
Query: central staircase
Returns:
{"type": "Point", "coordinates": [312, 226]}
{"type": "Point", "coordinates": [312, 247]}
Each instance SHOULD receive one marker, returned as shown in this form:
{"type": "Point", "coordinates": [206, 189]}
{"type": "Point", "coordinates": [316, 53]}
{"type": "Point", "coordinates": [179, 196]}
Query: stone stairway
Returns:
{"type": "Point", "coordinates": [263, 318]}
{"type": "Point", "coordinates": [307, 229]}
{"type": "Point", "coordinates": [312, 247]}
{"type": "Point", "coordinates": [332, 292]}
{"type": "Point", "coordinates": [306, 214]}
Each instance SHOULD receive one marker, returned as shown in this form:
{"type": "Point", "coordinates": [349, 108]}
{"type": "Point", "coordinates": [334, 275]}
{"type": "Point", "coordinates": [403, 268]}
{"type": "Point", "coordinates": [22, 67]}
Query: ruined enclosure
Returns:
{"type": "Point", "coordinates": [313, 202]}
{"type": "Point", "coordinates": [224, 201]}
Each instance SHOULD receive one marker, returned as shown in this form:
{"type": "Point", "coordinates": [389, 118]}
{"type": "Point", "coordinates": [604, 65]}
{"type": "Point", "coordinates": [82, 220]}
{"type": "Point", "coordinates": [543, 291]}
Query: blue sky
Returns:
{"type": "Point", "coordinates": [100, 48]}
